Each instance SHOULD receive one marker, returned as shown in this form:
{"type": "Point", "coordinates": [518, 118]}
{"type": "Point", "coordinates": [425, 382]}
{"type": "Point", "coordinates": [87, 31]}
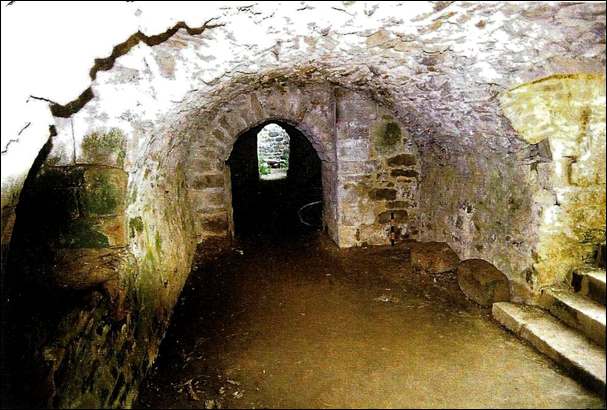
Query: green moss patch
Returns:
{"type": "Point", "coordinates": [103, 192]}
{"type": "Point", "coordinates": [135, 226]}
{"type": "Point", "coordinates": [390, 135]}
{"type": "Point", "coordinates": [105, 148]}
{"type": "Point", "coordinates": [81, 234]}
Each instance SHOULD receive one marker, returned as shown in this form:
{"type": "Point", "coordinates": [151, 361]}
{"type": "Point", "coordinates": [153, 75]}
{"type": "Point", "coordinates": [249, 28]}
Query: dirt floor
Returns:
{"type": "Point", "coordinates": [288, 320]}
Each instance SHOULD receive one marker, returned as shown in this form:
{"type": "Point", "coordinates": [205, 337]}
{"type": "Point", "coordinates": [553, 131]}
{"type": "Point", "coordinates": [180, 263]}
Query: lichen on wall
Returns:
{"type": "Point", "coordinates": [568, 111]}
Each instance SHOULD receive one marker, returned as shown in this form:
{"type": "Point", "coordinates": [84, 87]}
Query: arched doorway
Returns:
{"type": "Point", "coordinates": [262, 205]}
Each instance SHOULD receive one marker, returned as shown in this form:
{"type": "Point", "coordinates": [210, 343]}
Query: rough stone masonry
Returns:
{"type": "Point", "coordinates": [481, 125]}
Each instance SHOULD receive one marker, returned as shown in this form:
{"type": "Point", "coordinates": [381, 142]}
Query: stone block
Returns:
{"type": "Point", "coordinates": [388, 136]}
{"type": "Point", "coordinates": [587, 173]}
{"type": "Point", "coordinates": [208, 200]}
{"type": "Point", "coordinates": [375, 235]}
{"type": "Point", "coordinates": [103, 192]}
{"type": "Point", "coordinates": [114, 229]}
{"type": "Point", "coordinates": [400, 204]}
{"type": "Point", "coordinates": [82, 234]}
{"type": "Point", "coordinates": [400, 216]}
{"type": "Point", "coordinates": [402, 160]}
{"type": "Point", "coordinates": [482, 282]}
{"type": "Point", "coordinates": [382, 194]}
{"type": "Point", "coordinates": [407, 173]}
{"type": "Point", "coordinates": [297, 104]}
{"type": "Point", "coordinates": [256, 106]}
{"type": "Point", "coordinates": [59, 204]}
{"type": "Point", "coordinates": [353, 150]}
{"type": "Point", "coordinates": [601, 257]}
{"type": "Point", "coordinates": [202, 181]}
{"type": "Point", "coordinates": [433, 257]}
{"type": "Point", "coordinates": [217, 223]}
{"type": "Point", "coordinates": [208, 164]}
{"type": "Point", "coordinates": [61, 177]}
{"type": "Point", "coordinates": [86, 268]}
{"type": "Point", "coordinates": [358, 168]}
{"type": "Point", "coordinates": [348, 236]}
{"type": "Point", "coordinates": [356, 213]}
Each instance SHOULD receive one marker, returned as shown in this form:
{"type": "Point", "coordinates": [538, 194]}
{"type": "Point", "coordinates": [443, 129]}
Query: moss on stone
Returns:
{"type": "Point", "coordinates": [103, 192]}
{"type": "Point", "coordinates": [81, 234]}
{"type": "Point", "coordinates": [158, 243]}
{"type": "Point", "coordinates": [390, 135]}
{"type": "Point", "coordinates": [135, 226]}
{"type": "Point", "coordinates": [61, 177]}
{"type": "Point", "coordinates": [105, 148]}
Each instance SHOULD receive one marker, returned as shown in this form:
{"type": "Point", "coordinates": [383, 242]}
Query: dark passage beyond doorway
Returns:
{"type": "Point", "coordinates": [269, 207]}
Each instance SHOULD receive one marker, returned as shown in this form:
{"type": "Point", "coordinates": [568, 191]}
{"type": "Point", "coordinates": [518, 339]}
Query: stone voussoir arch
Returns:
{"type": "Point", "coordinates": [309, 108]}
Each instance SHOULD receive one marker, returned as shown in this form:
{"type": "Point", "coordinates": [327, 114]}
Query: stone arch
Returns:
{"type": "Point", "coordinates": [310, 109]}
{"type": "Point", "coordinates": [370, 163]}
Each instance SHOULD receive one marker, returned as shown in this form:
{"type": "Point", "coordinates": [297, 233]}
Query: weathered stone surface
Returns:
{"type": "Point", "coordinates": [438, 74]}
{"type": "Point", "coordinates": [433, 257]}
{"type": "Point", "coordinates": [482, 282]}
{"type": "Point", "coordinates": [408, 173]}
{"type": "Point", "coordinates": [104, 148]}
{"type": "Point", "coordinates": [582, 358]}
{"type": "Point", "coordinates": [217, 223]}
{"type": "Point", "coordinates": [569, 111]}
{"type": "Point", "coordinates": [601, 256]}
{"type": "Point", "coordinates": [389, 136]}
{"type": "Point", "coordinates": [113, 228]}
{"type": "Point", "coordinates": [402, 160]}
{"type": "Point", "coordinates": [86, 268]}
{"type": "Point", "coordinates": [82, 234]}
{"type": "Point", "coordinates": [386, 216]}
{"type": "Point", "coordinates": [103, 192]}
{"type": "Point", "coordinates": [202, 181]}
{"type": "Point", "coordinates": [382, 194]}
{"type": "Point", "coordinates": [481, 215]}
{"type": "Point", "coordinates": [577, 311]}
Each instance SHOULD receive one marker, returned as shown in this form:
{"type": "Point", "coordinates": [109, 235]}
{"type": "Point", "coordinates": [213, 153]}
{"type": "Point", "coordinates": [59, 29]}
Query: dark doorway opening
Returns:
{"type": "Point", "coordinates": [275, 207]}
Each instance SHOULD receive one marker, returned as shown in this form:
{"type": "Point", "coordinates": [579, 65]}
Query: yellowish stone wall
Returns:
{"type": "Point", "coordinates": [569, 112]}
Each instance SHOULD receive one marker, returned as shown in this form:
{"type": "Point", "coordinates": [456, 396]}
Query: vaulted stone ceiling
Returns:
{"type": "Point", "coordinates": [157, 85]}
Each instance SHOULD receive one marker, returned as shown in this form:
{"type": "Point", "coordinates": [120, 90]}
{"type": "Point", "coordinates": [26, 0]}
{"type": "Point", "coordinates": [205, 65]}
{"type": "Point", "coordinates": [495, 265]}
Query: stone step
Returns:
{"type": "Point", "coordinates": [582, 359]}
{"type": "Point", "coordinates": [590, 282]}
{"type": "Point", "coordinates": [576, 311]}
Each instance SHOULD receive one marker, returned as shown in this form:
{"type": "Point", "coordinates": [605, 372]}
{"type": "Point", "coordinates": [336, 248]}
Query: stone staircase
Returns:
{"type": "Point", "coordinates": [568, 326]}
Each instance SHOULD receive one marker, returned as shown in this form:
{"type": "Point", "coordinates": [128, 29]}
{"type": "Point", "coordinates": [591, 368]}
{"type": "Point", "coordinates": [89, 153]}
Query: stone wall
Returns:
{"type": "Point", "coordinates": [370, 164]}
{"type": "Point", "coordinates": [482, 207]}
{"type": "Point", "coordinates": [273, 147]}
{"type": "Point", "coordinates": [566, 113]}
{"type": "Point", "coordinates": [98, 253]}
{"type": "Point", "coordinates": [378, 173]}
